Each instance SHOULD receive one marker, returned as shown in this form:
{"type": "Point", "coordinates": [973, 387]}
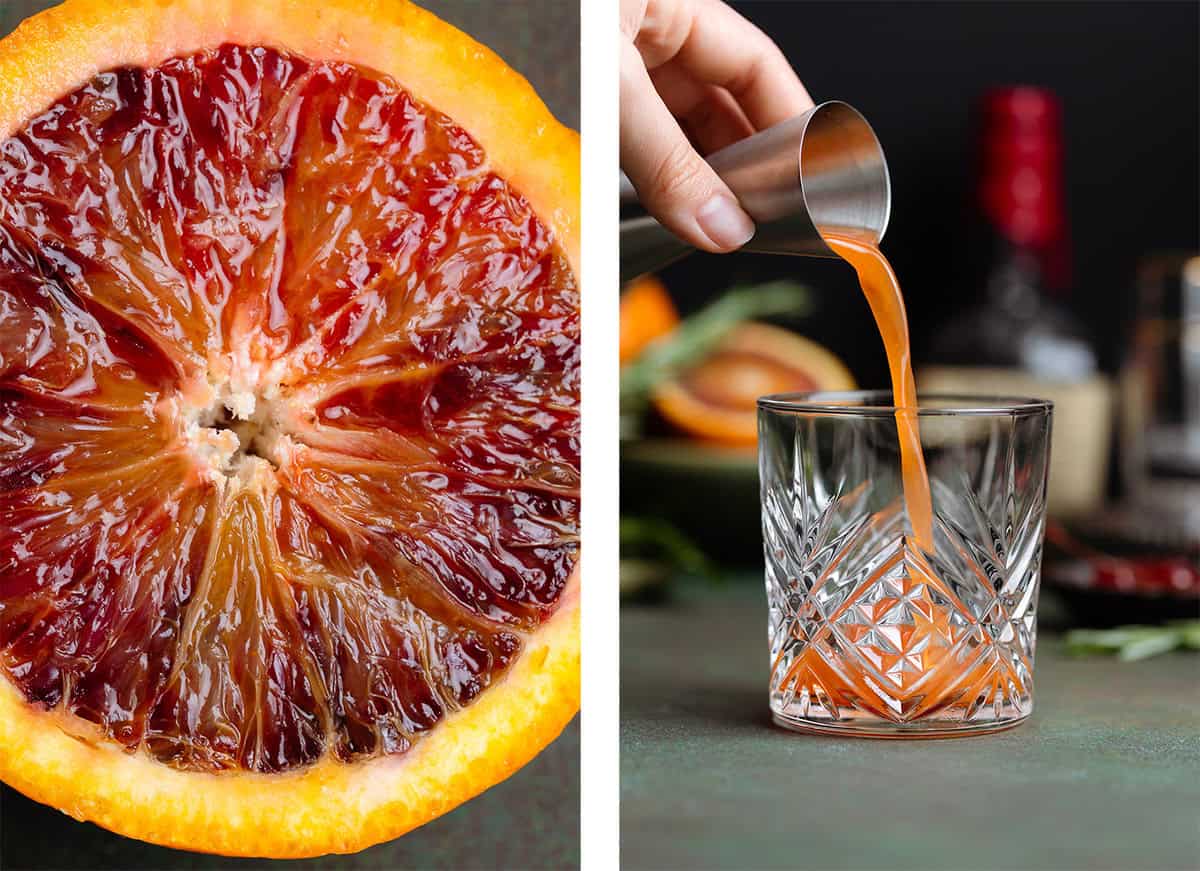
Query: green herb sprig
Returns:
{"type": "Point", "coordinates": [1131, 643]}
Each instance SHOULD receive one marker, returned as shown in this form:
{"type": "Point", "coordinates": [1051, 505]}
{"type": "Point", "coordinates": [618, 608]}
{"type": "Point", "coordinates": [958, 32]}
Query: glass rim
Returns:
{"type": "Point", "coordinates": [878, 403]}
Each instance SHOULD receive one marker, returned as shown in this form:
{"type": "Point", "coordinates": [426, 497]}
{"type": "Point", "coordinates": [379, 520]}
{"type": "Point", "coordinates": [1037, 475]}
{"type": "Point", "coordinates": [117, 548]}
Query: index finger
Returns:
{"type": "Point", "coordinates": [717, 45]}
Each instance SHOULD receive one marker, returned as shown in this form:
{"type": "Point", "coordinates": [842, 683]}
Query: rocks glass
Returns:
{"type": "Point", "coordinates": [877, 631]}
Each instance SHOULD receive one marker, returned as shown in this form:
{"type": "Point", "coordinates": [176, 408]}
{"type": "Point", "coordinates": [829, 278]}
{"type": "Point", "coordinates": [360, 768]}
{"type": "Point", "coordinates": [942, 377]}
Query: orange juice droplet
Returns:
{"type": "Point", "coordinates": [882, 290]}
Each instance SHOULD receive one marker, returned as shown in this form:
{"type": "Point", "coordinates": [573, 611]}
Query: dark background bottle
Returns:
{"type": "Point", "coordinates": [1019, 260]}
{"type": "Point", "coordinates": [1019, 338]}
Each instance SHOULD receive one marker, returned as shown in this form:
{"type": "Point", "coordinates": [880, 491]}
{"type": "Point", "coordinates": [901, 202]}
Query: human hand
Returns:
{"type": "Point", "coordinates": [700, 62]}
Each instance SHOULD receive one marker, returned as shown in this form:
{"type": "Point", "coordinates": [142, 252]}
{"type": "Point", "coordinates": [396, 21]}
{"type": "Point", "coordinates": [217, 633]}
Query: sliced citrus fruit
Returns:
{"type": "Point", "coordinates": [647, 313]}
{"type": "Point", "coordinates": [289, 420]}
{"type": "Point", "coordinates": [715, 399]}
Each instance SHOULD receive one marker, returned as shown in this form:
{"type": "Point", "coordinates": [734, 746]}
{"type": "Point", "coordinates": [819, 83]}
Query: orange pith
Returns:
{"type": "Point", "coordinates": [289, 455]}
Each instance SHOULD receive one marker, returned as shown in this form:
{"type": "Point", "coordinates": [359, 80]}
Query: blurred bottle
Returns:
{"type": "Point", "coordinates": [1020, 339]}
{"type": "Point", "coordinates": [1138, 559]}
{"type": "Point", "coordinates": [1160, 395]}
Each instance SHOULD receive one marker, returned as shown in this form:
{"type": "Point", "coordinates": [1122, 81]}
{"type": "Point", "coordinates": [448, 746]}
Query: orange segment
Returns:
{"type": "Point", "coordinates": [289, 421]}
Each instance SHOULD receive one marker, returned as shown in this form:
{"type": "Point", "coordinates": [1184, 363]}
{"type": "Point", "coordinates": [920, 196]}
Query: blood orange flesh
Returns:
{"type": "Point", "coordinates": [289, 435]}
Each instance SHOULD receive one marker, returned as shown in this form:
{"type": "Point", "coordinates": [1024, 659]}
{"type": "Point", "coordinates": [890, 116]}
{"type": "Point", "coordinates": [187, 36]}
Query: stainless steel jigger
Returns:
{"type": "Point", "coordinates": [819, 172]}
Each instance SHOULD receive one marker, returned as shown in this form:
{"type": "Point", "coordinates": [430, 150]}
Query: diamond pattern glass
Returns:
{"type": "Point", "coordinates": [870, 632]}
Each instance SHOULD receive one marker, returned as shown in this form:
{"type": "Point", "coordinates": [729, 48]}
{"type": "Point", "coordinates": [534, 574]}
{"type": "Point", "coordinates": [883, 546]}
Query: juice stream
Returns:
{"type": "Point", "coordinates": [927, 687]}
{"type": "Point", "coordinates": [882, 290]}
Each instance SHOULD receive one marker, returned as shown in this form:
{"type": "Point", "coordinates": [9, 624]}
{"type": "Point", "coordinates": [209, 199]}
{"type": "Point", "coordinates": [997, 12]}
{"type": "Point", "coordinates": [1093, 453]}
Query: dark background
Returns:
{"type": "Point", "coordinates": [1128, 75]}
{"type": "Point", "coordinates": [529, 821]}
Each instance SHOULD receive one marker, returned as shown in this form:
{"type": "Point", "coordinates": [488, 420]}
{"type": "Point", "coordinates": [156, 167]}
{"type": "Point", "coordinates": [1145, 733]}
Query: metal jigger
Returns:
{"type": "Point", "coordinates": [819, 172]}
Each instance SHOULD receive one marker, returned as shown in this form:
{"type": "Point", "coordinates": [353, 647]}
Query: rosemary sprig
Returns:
{"type": "Point", "coordinates": [1132, 643]}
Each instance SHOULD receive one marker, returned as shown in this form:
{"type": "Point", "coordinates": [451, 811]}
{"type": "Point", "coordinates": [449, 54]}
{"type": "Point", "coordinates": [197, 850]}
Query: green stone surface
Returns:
{"type": "Point", "coordinates": [530, 821]}
{"type": "Point", "coordinates": [1105, 774]}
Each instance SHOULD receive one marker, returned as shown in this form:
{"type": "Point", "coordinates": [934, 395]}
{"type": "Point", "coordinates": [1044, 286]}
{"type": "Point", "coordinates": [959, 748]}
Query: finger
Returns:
{"type": "Point", "coordinates": [709, 114]}
{"type": "Point", "coordinates": [718, 46]}
{"type": "Point", "coordinates": [672, 180]}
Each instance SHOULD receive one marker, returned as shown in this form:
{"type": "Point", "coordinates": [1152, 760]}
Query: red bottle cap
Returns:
{"type": "Point", "coordinates": [1020, 173]}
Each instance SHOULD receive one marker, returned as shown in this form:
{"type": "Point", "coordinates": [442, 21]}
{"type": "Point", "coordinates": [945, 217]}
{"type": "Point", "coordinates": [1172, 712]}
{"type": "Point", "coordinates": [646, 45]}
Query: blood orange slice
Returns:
{"type": "Point", "coordinates": [715, 399]}
{"type": "Point", "coordinates": [289, 420]}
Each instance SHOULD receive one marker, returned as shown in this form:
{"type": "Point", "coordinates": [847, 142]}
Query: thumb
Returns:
{"type": "Point", "coordinates": [673, 182]}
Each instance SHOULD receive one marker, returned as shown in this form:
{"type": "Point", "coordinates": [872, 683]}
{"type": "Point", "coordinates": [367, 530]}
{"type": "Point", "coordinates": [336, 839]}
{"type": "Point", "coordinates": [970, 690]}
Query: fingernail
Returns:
{"type": "Point", "coordinates": [723, 221]}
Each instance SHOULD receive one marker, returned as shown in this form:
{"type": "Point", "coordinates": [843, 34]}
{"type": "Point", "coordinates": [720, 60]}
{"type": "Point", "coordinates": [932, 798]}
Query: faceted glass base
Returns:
{"type": "Point", "coordinates": [873, 727]}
